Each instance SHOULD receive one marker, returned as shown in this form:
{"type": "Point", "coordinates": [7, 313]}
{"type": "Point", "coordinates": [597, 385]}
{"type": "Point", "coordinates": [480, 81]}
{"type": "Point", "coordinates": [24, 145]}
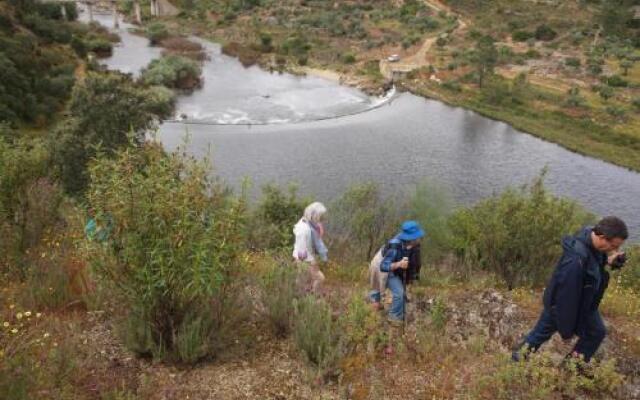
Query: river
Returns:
{"type": "Point", "coordinates": [282, 128]}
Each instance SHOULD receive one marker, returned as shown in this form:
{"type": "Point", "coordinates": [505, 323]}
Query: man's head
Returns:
{"type": "Point", "coordinates": [609, 234]}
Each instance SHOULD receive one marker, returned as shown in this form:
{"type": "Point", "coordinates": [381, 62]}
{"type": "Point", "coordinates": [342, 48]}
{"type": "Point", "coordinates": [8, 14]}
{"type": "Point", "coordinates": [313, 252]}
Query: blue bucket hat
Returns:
{"type": "Point", "coordinates": [410, 230]}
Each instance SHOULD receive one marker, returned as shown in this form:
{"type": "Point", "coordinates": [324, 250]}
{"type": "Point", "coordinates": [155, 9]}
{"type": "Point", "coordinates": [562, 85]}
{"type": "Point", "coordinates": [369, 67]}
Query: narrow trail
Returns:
{"type": "Point", "coordinates": [419, 59]}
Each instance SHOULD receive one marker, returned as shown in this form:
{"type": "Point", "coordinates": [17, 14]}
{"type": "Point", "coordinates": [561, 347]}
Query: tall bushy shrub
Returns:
{"type": "Point", "coordinates": [173, 253]}
{"type": "Point", "coordinates": [272, 221]}
{"type": "Point", "coordinates": [431, 206]}
{"type": "Point", "coordinates": [361, 220]}
{"type": "Point", "coordinates": [316, 334]}
{"type": "Point", "coordinates": [109, 111]}
{"type": "Point", "coordinates": [517, 234]}
{"type": "Point", "coordinates": [279, 291]}
{"type": "Point", "coordinates": [29, 203]}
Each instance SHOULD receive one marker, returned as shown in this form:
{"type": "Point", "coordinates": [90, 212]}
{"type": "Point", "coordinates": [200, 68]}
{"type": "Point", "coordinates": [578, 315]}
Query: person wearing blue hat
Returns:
{"type": "Point", "coordinates": [396, 259]}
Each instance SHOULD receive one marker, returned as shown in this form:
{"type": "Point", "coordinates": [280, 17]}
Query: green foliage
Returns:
{"type": "Point", "coordinates": [614, 17]}
{"type": "Point", "coordinates": [29, 203]}
{"type": "Point", "coordinates": [174, 72]}
{"type": "Point", "coordinates": [439, 315]}
{"type": "Point", "coordinates": [348, 58]}
{"type": "Point", "coordinates": [359, 326]}
{"type": "Point", "coordinates": [271, 223]}
{"type": "Point", "coordinates": [316, 334]}
{"type": "Point", "coordinates": [431, 205]}
{"type": "Point", "coordinates": [521, 36]}
{"type": "Point", "coordinates": [540, 379]}
{"type": "Point", "coordinates": [545, 33]}
{"type": "Point", "coordinates": [629, 276]}
{"type": "Point", "coordinates": [361, 221]}
{"type": "Point", "coordinates": [279, 291]}
{"type": "Point", "coordinates": [109, 111]}
{"type": "Point", "coordinates": [516, 235]}
{"type": "Point", "coordinates": [173, 255]}
{"type": "Point", "coordinates": [484, 57]}
{"type": "Point", "coordinates": [616, 81]}
{"type": "Point", "coordinates": [573, 62]}
{"type": "Point", "coordinates": [574, 99]}
{"type": "Point", "coordinates": [296, 45]}
{"type": "Point", "coordinates": [156, 32]}
{"type": "Point", "coordinates": [36, 80]}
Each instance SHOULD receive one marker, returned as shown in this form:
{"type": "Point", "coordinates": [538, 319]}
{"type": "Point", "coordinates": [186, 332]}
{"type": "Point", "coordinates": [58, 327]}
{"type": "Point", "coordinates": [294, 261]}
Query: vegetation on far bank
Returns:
{"type": "Point", "coordinates": [576, 84]}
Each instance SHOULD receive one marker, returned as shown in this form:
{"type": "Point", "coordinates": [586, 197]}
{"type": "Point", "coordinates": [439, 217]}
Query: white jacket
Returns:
{"type": "Point", "coordinates": [308, 244]}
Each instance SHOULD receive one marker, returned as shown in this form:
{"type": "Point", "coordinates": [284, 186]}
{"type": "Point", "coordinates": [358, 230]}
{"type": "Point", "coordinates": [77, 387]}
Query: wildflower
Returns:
{"type": "Point", "coordinates": [27, 313]}
{"type": "Point", "coordinates": [43, 255]}
{"type": "Point", "coordinates": [55, 344]}
{"type": "Point", "coordinates": [11, 306]}
{"type": "Point", "coordinates": [14, 330]}
{"type": "Point", "coordinates": [46, 335]}
{"type": "Point", "coordinates": [38, 315]}
{"type": "Point", "coordinates": [19, 315]}
{"type": "Point", "coordinates": [5, 324]}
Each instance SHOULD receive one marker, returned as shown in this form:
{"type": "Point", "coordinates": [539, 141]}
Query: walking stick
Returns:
{"type": "Point", "coordinates": [404, 299]}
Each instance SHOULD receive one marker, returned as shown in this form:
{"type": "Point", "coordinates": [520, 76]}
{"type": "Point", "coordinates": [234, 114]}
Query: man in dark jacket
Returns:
{"type": "Point", "coordinates": [576, 288]}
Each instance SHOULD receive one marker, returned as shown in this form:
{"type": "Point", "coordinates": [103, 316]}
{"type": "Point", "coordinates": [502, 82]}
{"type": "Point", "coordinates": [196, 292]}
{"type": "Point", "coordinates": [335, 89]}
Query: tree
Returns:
{"type": "Point", "coordinates": [485, 57]}
{"type": "Point", "coordinates": [626, 65]}
{"type": "Point", "coordinates": [109, 111]}
{"type": "Point", "coordinates": [614, 16]}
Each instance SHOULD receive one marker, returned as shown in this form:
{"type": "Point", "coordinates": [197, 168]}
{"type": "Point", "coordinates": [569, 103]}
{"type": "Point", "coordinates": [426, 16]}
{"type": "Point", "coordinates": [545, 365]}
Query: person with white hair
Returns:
{"type": "Point", "coordinates": [309, 248]}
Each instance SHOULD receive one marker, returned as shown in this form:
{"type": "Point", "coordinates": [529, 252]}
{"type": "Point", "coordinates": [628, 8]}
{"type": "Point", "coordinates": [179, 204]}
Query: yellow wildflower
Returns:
{"type": "Point", "coordinates": [11, 306]}
{"type": "Point", "coordinates": [46, 335]}
{"type": "Point", "coordinates": [38, 315]}
{"type": "Point", "coordinates": [5, 324]}
{"type": "Point", "coordinates": [27, 313]}
{"type": "Point", "coordinates": [19, 315]}
{"type": "Point", "coordinates": [14, 330]}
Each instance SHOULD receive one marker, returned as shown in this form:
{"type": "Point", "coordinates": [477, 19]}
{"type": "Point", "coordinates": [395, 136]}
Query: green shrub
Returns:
{"type": "Point", "coordinates": [271, 223]}
{"type": "Point", "coordinates": [279, 291]}
{"type": "Point", "coordinates": [316, 334]}
{"type": "Point", "coordinates": [516, 235]}
{"type": "Point", "coordinates": [572, 62]}
{"type": "Point", "coordinates": [636, 103]}
{"type": "Point", "coordinates": [361, 221]}
{"type": "Point", "coordinates": [629, 276]}
{"type": "Point", "coordinates": [521, 36]}
{"type": "Point", "coordinates": [156, 32]}
{"type": "Point", "coordinates": [545, 33]}
{"type": "Point", "coordinates": [617, 112]}
{"type": "Point", "coordinates": [101, 47]}
{"type": "Point", "coordinates": [94, 107]}
{"type": "Point", "coordinates": [173, 255]}
{"type": "Point", "coordinates": [540, 379]}
{"type": "Point", "coordinates": [348, 58]}
{"type": "Point", "coordinates": [431, 205]}
{"type": "Point", "coordinates": [359, 326]}
{"type": "Point", "coordinates": [174, 72]}
{"type": "Point", "coordinates": [616, 81]}
{"type": "Point", "coordinates": [29, 203]}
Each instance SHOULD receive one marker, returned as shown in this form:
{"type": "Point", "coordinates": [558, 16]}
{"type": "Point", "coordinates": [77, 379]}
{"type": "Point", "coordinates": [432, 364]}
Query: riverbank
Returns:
{"type": "Point", "coordinates": [595, 119]}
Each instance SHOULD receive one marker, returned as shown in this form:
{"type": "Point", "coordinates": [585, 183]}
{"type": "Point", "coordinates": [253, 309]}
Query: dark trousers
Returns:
{"type": "Point", "coordinates": [589, 340]}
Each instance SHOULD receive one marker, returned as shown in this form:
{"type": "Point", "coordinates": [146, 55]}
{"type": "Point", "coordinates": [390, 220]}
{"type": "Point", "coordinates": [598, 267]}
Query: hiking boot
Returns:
{"type": "Point", "coordinates": [395, 322]}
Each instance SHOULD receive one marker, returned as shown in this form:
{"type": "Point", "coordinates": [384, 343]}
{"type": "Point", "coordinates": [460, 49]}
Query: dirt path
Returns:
{"type": "Point", "coordinates": [419, 59]}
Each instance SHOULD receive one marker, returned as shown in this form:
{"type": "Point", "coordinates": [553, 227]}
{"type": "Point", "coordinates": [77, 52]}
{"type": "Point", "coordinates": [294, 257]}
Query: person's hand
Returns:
{"type": "Point", "coordinates": [404, 263]}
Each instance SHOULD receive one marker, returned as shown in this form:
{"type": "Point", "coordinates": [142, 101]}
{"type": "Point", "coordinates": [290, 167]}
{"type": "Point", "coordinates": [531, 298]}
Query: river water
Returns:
{"type": "Point", "coordinates": [281, 128]}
